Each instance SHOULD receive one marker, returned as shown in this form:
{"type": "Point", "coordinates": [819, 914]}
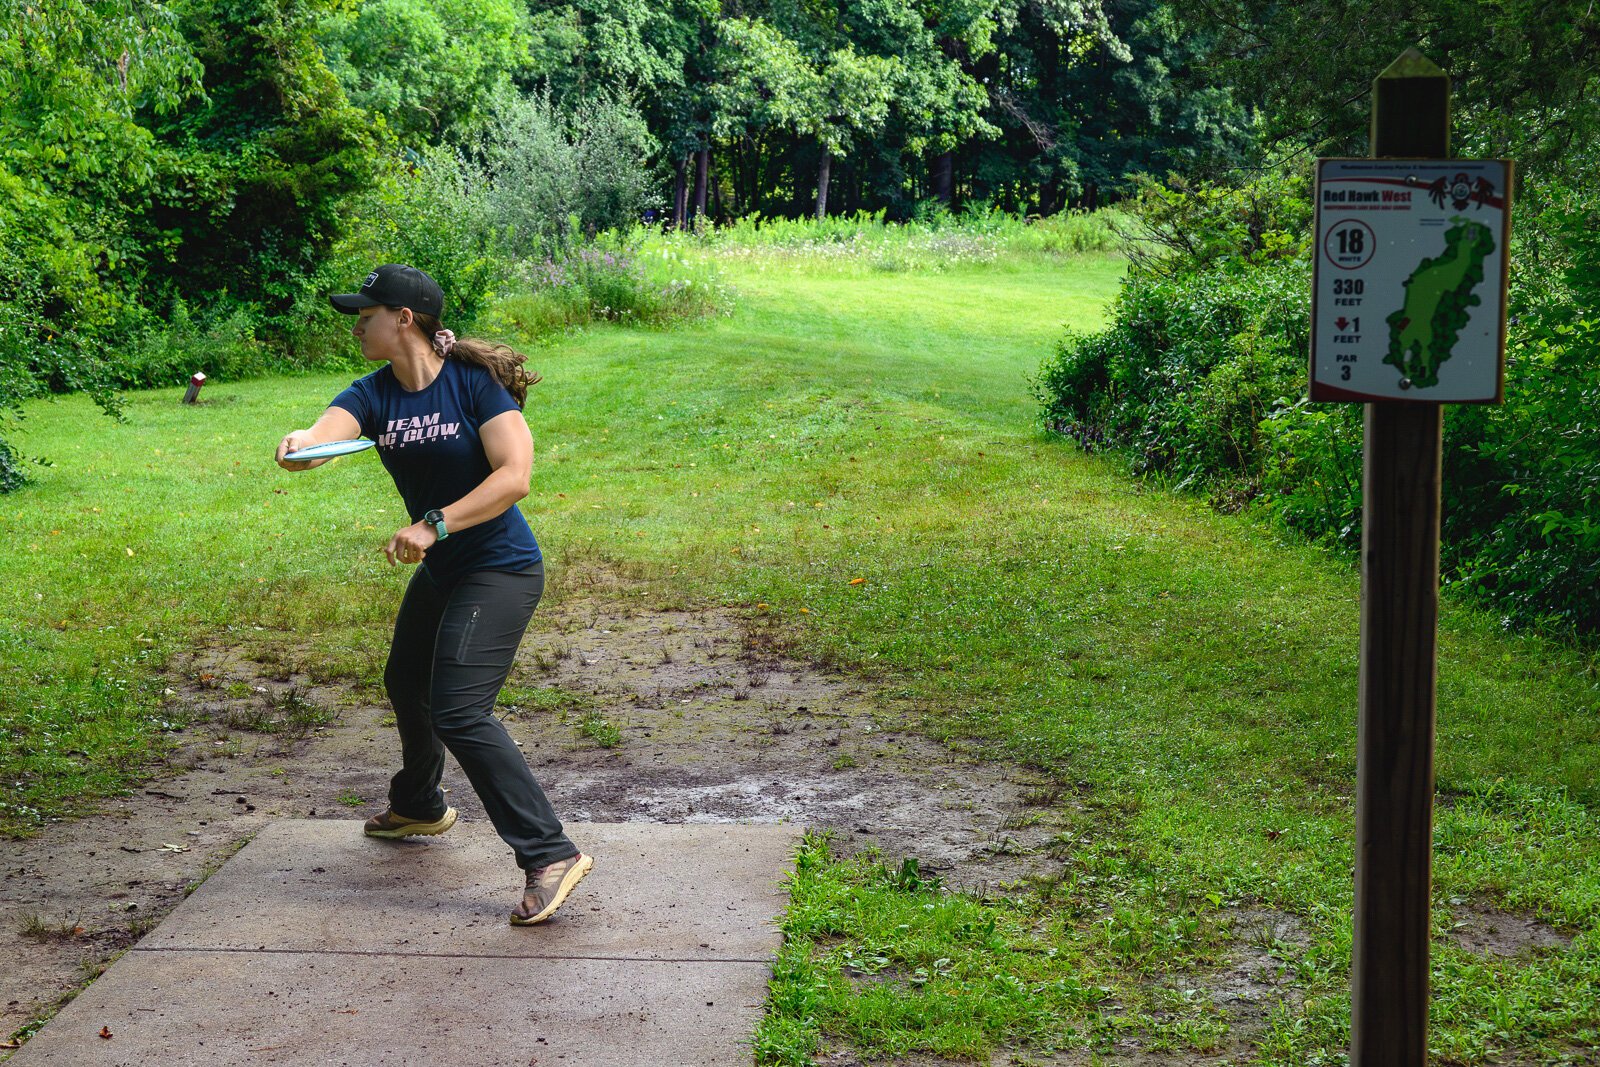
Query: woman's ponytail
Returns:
{"type": "Point", "coordinates": [502, 361]}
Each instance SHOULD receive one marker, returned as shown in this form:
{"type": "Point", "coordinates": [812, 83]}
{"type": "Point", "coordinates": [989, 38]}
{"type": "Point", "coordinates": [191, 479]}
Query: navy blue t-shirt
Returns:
{"type": "Point", "coordinates": [428, 440]}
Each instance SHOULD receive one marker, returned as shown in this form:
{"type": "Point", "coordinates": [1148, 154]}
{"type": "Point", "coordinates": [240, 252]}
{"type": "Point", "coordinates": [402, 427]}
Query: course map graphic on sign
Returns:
{"type": "Point", "coordinates": [1416, 248]}
{"type": "Point", "coordinates": [1439, 294]}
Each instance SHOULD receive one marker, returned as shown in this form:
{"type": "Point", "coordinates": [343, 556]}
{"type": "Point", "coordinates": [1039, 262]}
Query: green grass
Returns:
{"type": "Point", "coordinates": [1188, 679]}
{"type": "Point", "coordinates": [906, 967]}
{"type": "Point", "coordinates": [600, 730]}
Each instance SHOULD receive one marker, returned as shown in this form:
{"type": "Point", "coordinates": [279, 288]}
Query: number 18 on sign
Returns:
{"type": "Point", "coordinates": [1409, 290]}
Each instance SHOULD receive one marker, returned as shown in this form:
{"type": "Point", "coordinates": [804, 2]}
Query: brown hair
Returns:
{"type": "Point", "coordinates": [502, 361]}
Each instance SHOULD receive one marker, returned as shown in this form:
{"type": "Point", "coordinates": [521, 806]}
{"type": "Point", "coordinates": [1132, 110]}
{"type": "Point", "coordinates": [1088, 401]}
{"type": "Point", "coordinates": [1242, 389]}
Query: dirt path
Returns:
{"type": "Point", "coordinates": [625, 715]}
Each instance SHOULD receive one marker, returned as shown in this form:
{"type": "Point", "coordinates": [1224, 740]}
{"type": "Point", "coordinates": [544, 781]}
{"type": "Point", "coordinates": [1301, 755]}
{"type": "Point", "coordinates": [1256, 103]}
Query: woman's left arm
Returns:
{"type": "Point", "coordinates": [508, 446]}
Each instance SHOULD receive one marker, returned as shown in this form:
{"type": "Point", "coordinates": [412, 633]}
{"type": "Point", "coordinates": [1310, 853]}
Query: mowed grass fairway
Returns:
{"type": "Point", "coordinates": [1186, 679]}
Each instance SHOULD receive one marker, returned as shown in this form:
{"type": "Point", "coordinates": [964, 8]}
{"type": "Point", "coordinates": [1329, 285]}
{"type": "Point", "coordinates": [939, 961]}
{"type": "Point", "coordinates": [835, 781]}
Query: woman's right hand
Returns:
{"type": "Point", "coordinates": [336, 424]}
{"type": "Point", "coordinates": [292, 441]}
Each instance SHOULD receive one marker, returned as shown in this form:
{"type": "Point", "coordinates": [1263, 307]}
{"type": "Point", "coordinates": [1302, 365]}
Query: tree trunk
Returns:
{"type": "Point", "coordinates": [798, 203]}
{"type": "Point", "coordinates": [702, 163]}
{"type": "Point", "coordinates": [823, 170]}
{"type": "Point", "coordinates": [680, 192]}
{"type": "Point", "coordinates": [745, 193]}
{"type": "Point", "coordinates": [944, 178]}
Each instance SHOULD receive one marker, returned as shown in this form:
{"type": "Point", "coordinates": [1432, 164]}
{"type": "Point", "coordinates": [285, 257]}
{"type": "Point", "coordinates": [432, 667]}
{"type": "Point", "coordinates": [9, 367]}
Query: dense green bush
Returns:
{"type": "Point", "coordinates": [1203, 345]}
{"type": "Point", "coordinates": [1186, 374]}
{"type": "Point", "coordinates": [229, 342]}
{"type": "Point", "coordinates": [1200, 379]}
{"type": "Point", "coordinates": [550, 177]}
{"type": "Point", "coordinates": [1522, 489]}
{"type": "Point", "coordinates": [1180, 228]}
{"type": "Point", "coordinates": [75, 166]}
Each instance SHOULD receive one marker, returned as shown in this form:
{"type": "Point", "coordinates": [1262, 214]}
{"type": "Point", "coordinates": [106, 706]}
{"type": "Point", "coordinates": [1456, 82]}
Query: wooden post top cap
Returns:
{"type": "Point", "coordinates": [1412, 64]}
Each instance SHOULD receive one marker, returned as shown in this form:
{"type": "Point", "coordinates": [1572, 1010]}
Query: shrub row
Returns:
{"type": "Point", "coordinates": [1200, 380]}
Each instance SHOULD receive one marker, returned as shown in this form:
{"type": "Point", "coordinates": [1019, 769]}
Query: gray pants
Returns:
{"type": "Point", "coordinates": [452, 652]}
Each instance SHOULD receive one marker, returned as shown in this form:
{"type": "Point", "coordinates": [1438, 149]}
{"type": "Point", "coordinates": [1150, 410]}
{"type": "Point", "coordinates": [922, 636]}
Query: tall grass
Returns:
{"type": "Point", "coordinates": [614, 280]}
{"type": "Point", "coordinates": [938, 242]}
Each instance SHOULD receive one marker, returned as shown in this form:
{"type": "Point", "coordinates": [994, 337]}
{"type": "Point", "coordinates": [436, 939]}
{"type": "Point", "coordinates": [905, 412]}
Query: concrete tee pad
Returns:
{"type": "Point", "coordinates": [318, 945]}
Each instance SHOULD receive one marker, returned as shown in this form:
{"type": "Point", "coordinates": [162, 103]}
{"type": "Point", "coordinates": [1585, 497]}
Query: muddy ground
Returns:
{"type": "Point", "coordinates": [625, 715]}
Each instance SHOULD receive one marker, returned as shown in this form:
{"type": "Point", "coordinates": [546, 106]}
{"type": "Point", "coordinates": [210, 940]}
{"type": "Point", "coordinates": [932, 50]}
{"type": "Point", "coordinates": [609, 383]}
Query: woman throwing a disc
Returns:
{"type": "Point", "coordinates": [447, 419]}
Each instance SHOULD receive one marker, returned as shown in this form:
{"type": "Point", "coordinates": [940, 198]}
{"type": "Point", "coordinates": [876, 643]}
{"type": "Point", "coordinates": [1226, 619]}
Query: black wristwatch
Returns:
{"type": "Point", "coordinates": [435, 518]}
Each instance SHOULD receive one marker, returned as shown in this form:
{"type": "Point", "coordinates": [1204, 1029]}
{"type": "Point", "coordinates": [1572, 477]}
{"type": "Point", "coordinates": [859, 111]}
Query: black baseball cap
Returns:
{"type": "Point", "coordinates": [394, 285]}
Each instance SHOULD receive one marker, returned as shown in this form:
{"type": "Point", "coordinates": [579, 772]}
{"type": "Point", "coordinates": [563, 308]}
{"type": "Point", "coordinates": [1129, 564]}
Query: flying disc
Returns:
{"type": "Point", "coordinates": [329, 450]}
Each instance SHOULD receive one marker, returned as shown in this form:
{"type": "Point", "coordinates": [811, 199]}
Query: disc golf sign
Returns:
{"type": "Point", "coordinates": [1409, 287]}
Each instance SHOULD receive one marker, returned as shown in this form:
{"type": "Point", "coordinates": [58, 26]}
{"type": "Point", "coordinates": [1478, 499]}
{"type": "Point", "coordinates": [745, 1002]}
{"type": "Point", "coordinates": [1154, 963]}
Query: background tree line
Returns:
{"type": "Point", "coordinates": [196, 172]}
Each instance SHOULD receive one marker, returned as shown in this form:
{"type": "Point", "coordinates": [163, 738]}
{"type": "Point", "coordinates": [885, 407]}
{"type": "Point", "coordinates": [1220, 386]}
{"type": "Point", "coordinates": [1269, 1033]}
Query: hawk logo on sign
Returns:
{"type": "Point", "coordinates": [1461, 191]}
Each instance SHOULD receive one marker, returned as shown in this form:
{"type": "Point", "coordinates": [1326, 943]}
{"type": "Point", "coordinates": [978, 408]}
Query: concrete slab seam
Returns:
{"type": "Point", "coordinates": [207, 949]}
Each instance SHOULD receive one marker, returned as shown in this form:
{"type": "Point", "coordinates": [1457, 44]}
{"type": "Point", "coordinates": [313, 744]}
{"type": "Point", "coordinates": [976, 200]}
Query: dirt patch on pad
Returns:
{"type": "Point", "coordinates": [710, 723]}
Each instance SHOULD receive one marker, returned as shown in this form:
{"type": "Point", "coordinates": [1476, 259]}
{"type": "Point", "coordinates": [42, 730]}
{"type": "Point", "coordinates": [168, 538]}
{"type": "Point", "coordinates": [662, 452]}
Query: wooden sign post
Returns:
{"type": "Point", "coordinates": [1399, 654]}
{"type": "Point", "coordinates": [1408, 314]}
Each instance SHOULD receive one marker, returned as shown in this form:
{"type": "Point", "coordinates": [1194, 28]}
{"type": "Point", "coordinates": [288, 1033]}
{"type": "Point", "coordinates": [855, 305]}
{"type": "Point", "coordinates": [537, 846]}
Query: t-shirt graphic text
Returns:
{"type": "Point", "coordinates": [424, 428]}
